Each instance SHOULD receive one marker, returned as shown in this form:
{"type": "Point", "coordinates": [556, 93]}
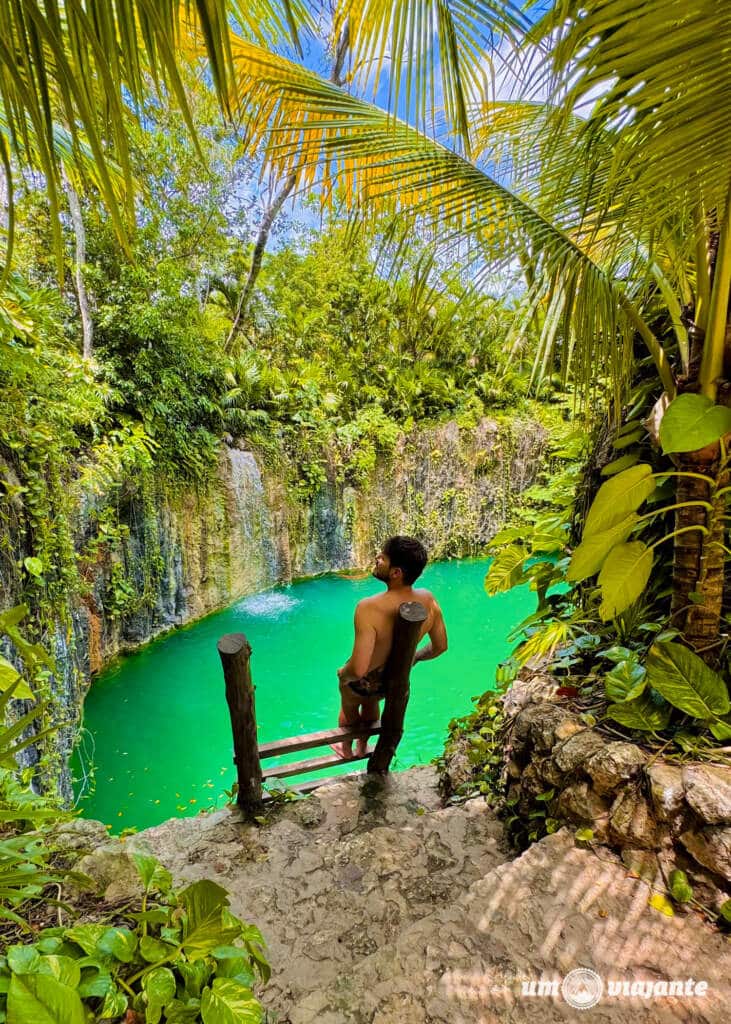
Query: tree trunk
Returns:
{"type": "Point", "coordinates": [87, 327]}
{"type": "Point", "coordinates": [272, 210]}
{"type": "Point", "coordinates": [699, 558]}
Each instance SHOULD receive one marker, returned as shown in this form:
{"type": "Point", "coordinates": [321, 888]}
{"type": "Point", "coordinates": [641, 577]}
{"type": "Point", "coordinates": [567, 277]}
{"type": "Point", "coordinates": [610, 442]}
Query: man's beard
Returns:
{"type": "Point", "coordinates": [381, 574]}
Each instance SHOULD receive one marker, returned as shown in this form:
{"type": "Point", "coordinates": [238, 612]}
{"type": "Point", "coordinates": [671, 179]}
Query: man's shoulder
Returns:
{"type": "Point", "coordinates": [426, 596]}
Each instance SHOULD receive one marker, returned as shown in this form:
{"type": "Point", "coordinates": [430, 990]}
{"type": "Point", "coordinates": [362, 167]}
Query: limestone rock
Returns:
{"type": "Point", "coordinates": [576, 750]}
{"type": "Point", "coordinates": [540, 726]}
{"type": "Point", "coordinates": [641, 863]}
{"type": "Point", "coordinates": [631, 821]}
{"type": "Point", "coordinates": [81, 834]}
{"type": "Point", "coordinates": [614, 764]}
{"type": "Point", "coordinates": [666, 789]}
{"type": "Point", "coordinates": [536, 688]}
{"type": "Point", "coordinates": [555, 908]}
{"type": "Point", "coordinates": [113, 870]}
{"type": "Point", "coordinates": [708, 791]}
{"type": "Point", "coordinates": [579, 803]}
{"type": "Point", "coordinates": [711, 847]}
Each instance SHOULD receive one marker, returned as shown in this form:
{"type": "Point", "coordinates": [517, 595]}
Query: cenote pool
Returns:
{"type": "Point", "coordinates": [157, 725]}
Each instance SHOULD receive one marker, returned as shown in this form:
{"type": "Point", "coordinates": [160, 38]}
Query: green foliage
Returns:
{"type": "Point", "coordinates": [183, 956]}
{"type": "Point", "coordinates": [692, 422]}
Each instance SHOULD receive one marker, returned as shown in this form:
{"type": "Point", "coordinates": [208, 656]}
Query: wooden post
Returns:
{"type": "Point", "coordinates": [235, 652]}
{"type": "Point", "coordinates": [396, 672]}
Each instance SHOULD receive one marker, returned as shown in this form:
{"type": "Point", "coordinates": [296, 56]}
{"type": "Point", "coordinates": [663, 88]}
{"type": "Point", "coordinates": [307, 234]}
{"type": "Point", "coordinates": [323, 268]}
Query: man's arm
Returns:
{"type": "Point", "coordinates": [437, 639]}
{"type": "Point", "coordinates": [359, 661]}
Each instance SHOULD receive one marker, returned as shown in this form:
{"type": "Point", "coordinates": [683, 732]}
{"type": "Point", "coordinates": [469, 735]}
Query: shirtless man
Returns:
{"type": "Point", "coordinates": [399, 564]}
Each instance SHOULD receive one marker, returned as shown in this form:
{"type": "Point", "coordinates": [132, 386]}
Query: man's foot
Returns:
{"type": "Point", "coordinates": [360, 747]}
{"type": "Point", "coordinates": [344, 751]}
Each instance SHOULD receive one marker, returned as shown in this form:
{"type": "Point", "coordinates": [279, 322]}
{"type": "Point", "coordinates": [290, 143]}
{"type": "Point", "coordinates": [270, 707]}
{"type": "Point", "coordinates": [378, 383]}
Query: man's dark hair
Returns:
{"type": "Point", "coordinates": [407, 554]}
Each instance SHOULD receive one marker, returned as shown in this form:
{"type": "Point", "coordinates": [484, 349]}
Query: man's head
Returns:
{"type": "Point", "coordinates": [402, 559]}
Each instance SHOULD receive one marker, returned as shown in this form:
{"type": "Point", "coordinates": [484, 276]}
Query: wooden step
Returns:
{"type": "Point", "coordinates": [312, 765]}
{"type": "Point", "coordinates": [307, 787]}
{"type": "Point", "coordinates": [313, 739]}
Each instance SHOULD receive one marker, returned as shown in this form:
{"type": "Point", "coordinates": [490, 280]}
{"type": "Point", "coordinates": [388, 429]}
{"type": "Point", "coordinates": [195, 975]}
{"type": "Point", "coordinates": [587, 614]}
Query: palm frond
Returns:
{"type": "Point", "coordinates": [84, 63]}
{"type": "Point", "coordinates": [330, 140]}
{"type": "Point", "coordinates": [435, 53]}
{"type": "Point", "coordinates": [657, 73]}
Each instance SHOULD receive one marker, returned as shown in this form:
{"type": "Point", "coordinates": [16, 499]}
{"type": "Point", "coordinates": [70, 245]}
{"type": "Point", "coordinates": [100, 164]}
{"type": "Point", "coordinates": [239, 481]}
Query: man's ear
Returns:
{"type": "Point", "coordinates": [397, 573]}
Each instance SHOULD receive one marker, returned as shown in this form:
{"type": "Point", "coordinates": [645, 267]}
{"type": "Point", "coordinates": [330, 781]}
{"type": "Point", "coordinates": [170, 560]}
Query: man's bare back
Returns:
{"type": "Point", "coordinates": [375, 618]}
{"type": "Point", "coordinates": [399, 563]}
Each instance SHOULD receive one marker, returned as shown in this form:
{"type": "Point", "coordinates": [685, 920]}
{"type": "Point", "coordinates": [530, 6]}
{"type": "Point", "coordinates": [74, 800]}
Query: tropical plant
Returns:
{"type": "Point", "coordinates": [617, 238]}
{"type": "Point", "coordinates": [182, 955]}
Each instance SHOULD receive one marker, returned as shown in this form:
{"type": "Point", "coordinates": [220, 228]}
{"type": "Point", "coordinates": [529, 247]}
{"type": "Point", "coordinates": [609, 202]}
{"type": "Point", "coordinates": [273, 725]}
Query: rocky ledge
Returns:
{"type": "Point", "coordinates": [381, 906]}
{"type": "Point", "coordinates": [658, 815]}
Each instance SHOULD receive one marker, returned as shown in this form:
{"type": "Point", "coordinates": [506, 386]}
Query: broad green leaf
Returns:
{"type": "Point", "coordinates": [506, 570]}
{"type": "Point", "coordinates": [120, 943]}
{"type": "Point", "coordinates": [628, 439]}
{"type": "Point", "coordinates": [680, 888]}
{"type": "Point", "coordinates": [12, 617]}
{"type": "Point", "coordinates": [229, 1002]}
{"type": "Point", "coordinates": [625, 681]}
{"type": "Point", "coordinates": [584, 835]}
{"type": "Point", "coordinates": [641, 714]}
{"type": "Point", "coordinates": [24, 960]}
{"type": "Point", "coordinates": [86, 935]}
{"type": "Point", "coordinates": [623, 577]}
{"type": "Point", "coordinates": [183, 1011]}
{"type": "Point", "coordinates": [95, 982]}
{"type": "Point", "coordinates": [692, 422]}
{"type": "Point", "coordinates": [686, 682]}
{"type": "Point", "coordinates": [8, 675]}
{"type": "Point", "coordinates": [115, 1004]}
{"type": "Point", "coordinates": [237, 967]}
{"type": "Point", "coordinates": [42, 999]}
{"type": "Point", "coordinates": [153, 950]}
{"type": "Point", "coordinates": [159, 988]}
{"type": "Point", "coordinates": [204, 903]}
{"type": "Point", "coordinates": [226, 952]}
{"type": "Point", "coordinates": [721, 728]}
{"type": "Point", "coordinates": [620, 464]}
{"type": "Point", "coordinates": [34, 566]}
{"type": "Point", "coordinates": [62, 968]}
{"type": "Point", "coordinates": [589, 556]}
{"type": "Point", "coordinates": [155, 916]}
{"type": "Point", "coordinates": [617, 497]}
{"type": "Point", "coordinates": [725, 911]}
{"type": "Point", "coordinates": [145, 868]}
{"type": "Point", "coordinates": [194, 976]}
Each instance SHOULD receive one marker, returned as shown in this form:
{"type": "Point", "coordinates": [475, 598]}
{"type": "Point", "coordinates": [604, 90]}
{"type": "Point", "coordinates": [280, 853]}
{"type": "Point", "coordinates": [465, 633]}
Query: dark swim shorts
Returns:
{"type": "Point", "coordinates": [370, 685]}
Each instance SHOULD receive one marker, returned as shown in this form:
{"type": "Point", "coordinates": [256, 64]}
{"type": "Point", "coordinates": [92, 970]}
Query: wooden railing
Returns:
{"type": "Point", "coordinates": [235, 653]}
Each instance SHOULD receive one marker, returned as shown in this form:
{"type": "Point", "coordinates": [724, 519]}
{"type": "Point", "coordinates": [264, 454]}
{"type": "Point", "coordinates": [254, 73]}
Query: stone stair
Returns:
{"type": "Point", "coordinates": [381, 907]}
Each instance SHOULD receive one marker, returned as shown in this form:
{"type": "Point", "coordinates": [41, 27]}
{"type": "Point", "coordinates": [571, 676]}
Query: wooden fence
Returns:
{"type": "Point", "coordinates": [235, 653]}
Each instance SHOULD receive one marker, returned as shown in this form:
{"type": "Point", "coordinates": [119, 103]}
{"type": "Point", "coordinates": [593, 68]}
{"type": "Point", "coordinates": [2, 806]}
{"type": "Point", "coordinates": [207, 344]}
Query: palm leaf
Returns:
{"type": "Point", "coordinates": [328, 139]}
{"type": "Point", "coordinates": [84, 64]}
{"type": "Point", "coordinates": [435, 54]}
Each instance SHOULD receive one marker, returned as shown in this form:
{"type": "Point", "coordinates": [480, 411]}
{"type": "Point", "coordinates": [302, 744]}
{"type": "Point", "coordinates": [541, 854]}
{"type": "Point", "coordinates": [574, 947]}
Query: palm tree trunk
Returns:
{"type": "Point", "coordinates": [699, 558]}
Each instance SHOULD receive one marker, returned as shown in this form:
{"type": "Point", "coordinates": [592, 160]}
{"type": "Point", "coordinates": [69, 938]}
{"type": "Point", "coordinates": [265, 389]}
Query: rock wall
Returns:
{"type": "Point", "coordinates": [659, 816]}
{"type": "Point", "coordinates": [189, 553]}
{"type": "Point", "coordinates": [169, 555]}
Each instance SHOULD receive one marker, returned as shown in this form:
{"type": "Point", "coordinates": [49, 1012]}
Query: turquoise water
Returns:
{"type": "Point", "coordinates": [158, 731]}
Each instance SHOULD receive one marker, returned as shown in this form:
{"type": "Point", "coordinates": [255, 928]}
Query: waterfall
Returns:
{"type": "Point", "coordinates": [255, 561]}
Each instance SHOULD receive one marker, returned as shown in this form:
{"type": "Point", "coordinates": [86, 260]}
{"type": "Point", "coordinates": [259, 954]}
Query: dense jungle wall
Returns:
{"type": "Point", "coordinates": [176, 554]}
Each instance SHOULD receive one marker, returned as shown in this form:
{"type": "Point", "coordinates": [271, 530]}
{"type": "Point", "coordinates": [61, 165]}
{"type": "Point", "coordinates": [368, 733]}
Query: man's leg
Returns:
{"type": "Point", "coordinates": [349, 715]}
{"type": "Point", "coordinates": [370, 712]}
